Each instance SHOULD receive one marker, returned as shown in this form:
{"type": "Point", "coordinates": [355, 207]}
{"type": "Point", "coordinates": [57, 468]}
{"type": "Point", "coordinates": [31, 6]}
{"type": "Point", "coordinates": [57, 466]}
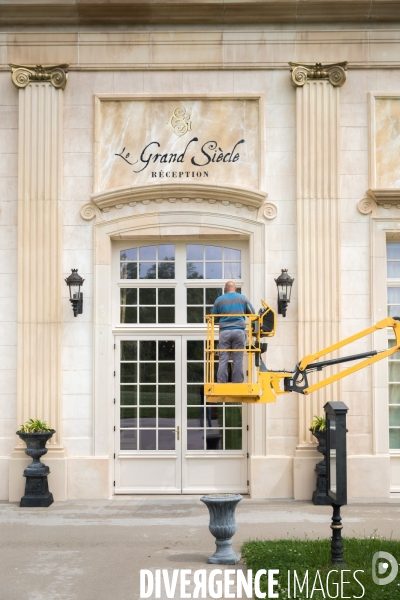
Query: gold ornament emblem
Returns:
{"type": "Point", "coordinates": [180, 121]}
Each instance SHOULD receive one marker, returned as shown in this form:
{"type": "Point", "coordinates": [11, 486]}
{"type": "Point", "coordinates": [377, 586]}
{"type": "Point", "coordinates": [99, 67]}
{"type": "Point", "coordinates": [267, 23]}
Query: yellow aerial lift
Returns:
{"type": "Point", "coordinates": [263, 385]}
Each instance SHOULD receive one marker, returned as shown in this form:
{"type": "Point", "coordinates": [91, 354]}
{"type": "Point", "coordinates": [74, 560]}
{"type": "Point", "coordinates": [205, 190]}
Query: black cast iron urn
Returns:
{"type": "Point", "coordinates": [36, 487]}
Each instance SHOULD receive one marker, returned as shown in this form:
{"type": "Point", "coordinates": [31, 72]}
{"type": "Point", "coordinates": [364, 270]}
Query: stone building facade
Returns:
{"type": "Point", "coordinates": [160, 149]}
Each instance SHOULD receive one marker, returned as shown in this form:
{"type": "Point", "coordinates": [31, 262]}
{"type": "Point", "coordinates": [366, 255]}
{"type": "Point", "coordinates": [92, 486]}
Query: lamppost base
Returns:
{"type": "Point", "coordinates": [336, 543]}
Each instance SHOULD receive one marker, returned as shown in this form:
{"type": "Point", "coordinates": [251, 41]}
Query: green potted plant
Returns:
{"type": "Point", "coordinates": [318, 429]}
{"type": "Point", "coordinates": [35, 434]}
{"type": "Point", "coordinates": [318, 424]}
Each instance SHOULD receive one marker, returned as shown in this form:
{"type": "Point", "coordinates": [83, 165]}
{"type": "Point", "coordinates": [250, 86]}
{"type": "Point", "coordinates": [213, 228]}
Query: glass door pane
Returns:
{"type": "Point", "coordinates": [209, 426]}
{"type": "Point", "coordinates": [148, 414]}
{"type": "Point", "coordinates": [214, 451]}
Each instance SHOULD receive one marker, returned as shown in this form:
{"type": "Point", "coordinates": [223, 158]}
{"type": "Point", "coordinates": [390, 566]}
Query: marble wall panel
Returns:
{"type": "Point", "coordinates": [225, 129]}
{"type": "Point", "coordinates": [387, 142]}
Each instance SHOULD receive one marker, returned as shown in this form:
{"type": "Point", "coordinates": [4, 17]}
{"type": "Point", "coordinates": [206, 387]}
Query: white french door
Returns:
{"type": "Point", "coordinates": [166, 439]}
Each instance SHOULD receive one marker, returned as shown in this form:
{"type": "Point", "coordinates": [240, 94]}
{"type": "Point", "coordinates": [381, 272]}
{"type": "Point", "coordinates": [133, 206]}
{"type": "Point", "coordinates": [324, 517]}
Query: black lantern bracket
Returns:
{"type": "Point", "coordinates": [74, 283]}
{"type": "Point", "coordinates": [284, 284]}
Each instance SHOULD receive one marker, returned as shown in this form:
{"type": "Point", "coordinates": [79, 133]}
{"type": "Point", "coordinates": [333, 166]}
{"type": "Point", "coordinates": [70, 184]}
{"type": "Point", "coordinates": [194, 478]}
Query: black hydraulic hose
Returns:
{"type": "Point", "coordinates": [335, 361]}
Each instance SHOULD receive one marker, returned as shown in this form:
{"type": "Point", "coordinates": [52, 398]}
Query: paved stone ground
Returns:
{"type": "Point", "coordinates": [94, 550]}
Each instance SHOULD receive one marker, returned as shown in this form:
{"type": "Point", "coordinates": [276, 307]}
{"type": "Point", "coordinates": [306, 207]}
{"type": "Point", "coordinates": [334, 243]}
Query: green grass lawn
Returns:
{"type": "Point", "coordinates": [314, 555]}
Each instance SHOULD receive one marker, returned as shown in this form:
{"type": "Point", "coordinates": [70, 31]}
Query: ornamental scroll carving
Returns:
{"type": "Point", "coordinates": [57, 75]}
{"type": "Point", "coordinates": [334, 73]}
{"type": "Point", "coordinates": [367, 206]}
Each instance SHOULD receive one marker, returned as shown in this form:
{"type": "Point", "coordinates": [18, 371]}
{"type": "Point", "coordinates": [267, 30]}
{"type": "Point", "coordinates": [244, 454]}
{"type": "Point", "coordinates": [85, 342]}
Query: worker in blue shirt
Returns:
{"type": "Point", "coordinates": [231, 331]}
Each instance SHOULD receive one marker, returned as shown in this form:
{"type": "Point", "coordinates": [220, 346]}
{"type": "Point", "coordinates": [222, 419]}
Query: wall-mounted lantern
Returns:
{"type": "Point", "coordinates": [336, 472]}
{"type": "Point", "coordinates": [284, 284]}
{"type": "Point", "coordinates": [74, 282]}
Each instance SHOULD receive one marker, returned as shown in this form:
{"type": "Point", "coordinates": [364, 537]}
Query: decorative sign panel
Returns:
{"type": "Point", "coordinates": [153, 140]}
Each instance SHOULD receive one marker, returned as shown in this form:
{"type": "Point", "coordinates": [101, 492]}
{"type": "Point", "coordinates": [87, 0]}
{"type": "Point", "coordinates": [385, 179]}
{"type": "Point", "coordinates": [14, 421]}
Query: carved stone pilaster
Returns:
{"type": "Point", "coordinates": [318, 242]}
{"type": "Point", "coordinates": [303, 72]}
{"type": "Point", "coordinates": [57, 75]}
{"type": "Point", "coordinates": [39, 247]}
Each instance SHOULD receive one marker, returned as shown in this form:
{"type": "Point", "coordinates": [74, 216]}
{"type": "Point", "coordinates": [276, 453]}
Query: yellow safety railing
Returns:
{"type": "Point", "coordinates": [249, 351]}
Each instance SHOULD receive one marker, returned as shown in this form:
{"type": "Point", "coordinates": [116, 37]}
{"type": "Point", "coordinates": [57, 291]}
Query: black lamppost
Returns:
{"type": "Point", "coordinates": [284, 284]}
{"type": "Point", "coordinates": [74, 282]}
{"type": "Point", "coordinates": [336, 472]}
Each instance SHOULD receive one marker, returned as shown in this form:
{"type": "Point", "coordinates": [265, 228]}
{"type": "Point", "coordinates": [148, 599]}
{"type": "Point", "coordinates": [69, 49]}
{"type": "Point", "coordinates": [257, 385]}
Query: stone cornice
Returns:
{"type": "Point", "coordinates": [22, 75]}
{"type": "Point", "coordinates": [199, 49]}
{"type": "Point", "coordinates": [385, 197]}
{"type": "Point", "coordinates": [171, 191]}
{"type": "Point", "coordinates": [302, 72]}
{"type": "Point", "coordinates": [148, 12]}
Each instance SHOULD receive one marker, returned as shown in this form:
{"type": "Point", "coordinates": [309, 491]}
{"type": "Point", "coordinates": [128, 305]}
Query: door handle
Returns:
{"type": "Point", "coordinates": [177, 432]}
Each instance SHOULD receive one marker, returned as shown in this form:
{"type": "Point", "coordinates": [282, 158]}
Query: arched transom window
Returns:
{"type": "Point", "coordinates": [174, 283]}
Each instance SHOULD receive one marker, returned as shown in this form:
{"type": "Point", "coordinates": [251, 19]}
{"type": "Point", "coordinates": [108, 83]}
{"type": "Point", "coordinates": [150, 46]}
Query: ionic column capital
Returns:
{"type": "Point", "coordinates": [303, 72]}
{"type": "Point", "coordinates": [22, 75]}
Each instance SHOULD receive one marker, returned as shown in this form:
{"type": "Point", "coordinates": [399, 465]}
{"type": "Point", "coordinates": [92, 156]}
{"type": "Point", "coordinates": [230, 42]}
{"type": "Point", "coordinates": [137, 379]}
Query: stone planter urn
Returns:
{"type": "Point", "coordinates": [319, 497]}
{"type": "Point", "coordinates": [36, 487]}
{"type": "Point", "coordinates": [222, 526]}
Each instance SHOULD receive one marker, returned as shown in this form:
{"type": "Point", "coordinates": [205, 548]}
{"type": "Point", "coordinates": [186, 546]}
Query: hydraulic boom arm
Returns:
{"type": "Point", "coordinates": [263, 385]}
{"type": "Point", "coordinates": [299, 383]}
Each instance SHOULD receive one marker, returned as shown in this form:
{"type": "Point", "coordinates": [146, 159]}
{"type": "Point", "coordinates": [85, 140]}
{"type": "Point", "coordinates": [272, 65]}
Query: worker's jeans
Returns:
{"type": "Point", "coordinates": [231, 339]}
